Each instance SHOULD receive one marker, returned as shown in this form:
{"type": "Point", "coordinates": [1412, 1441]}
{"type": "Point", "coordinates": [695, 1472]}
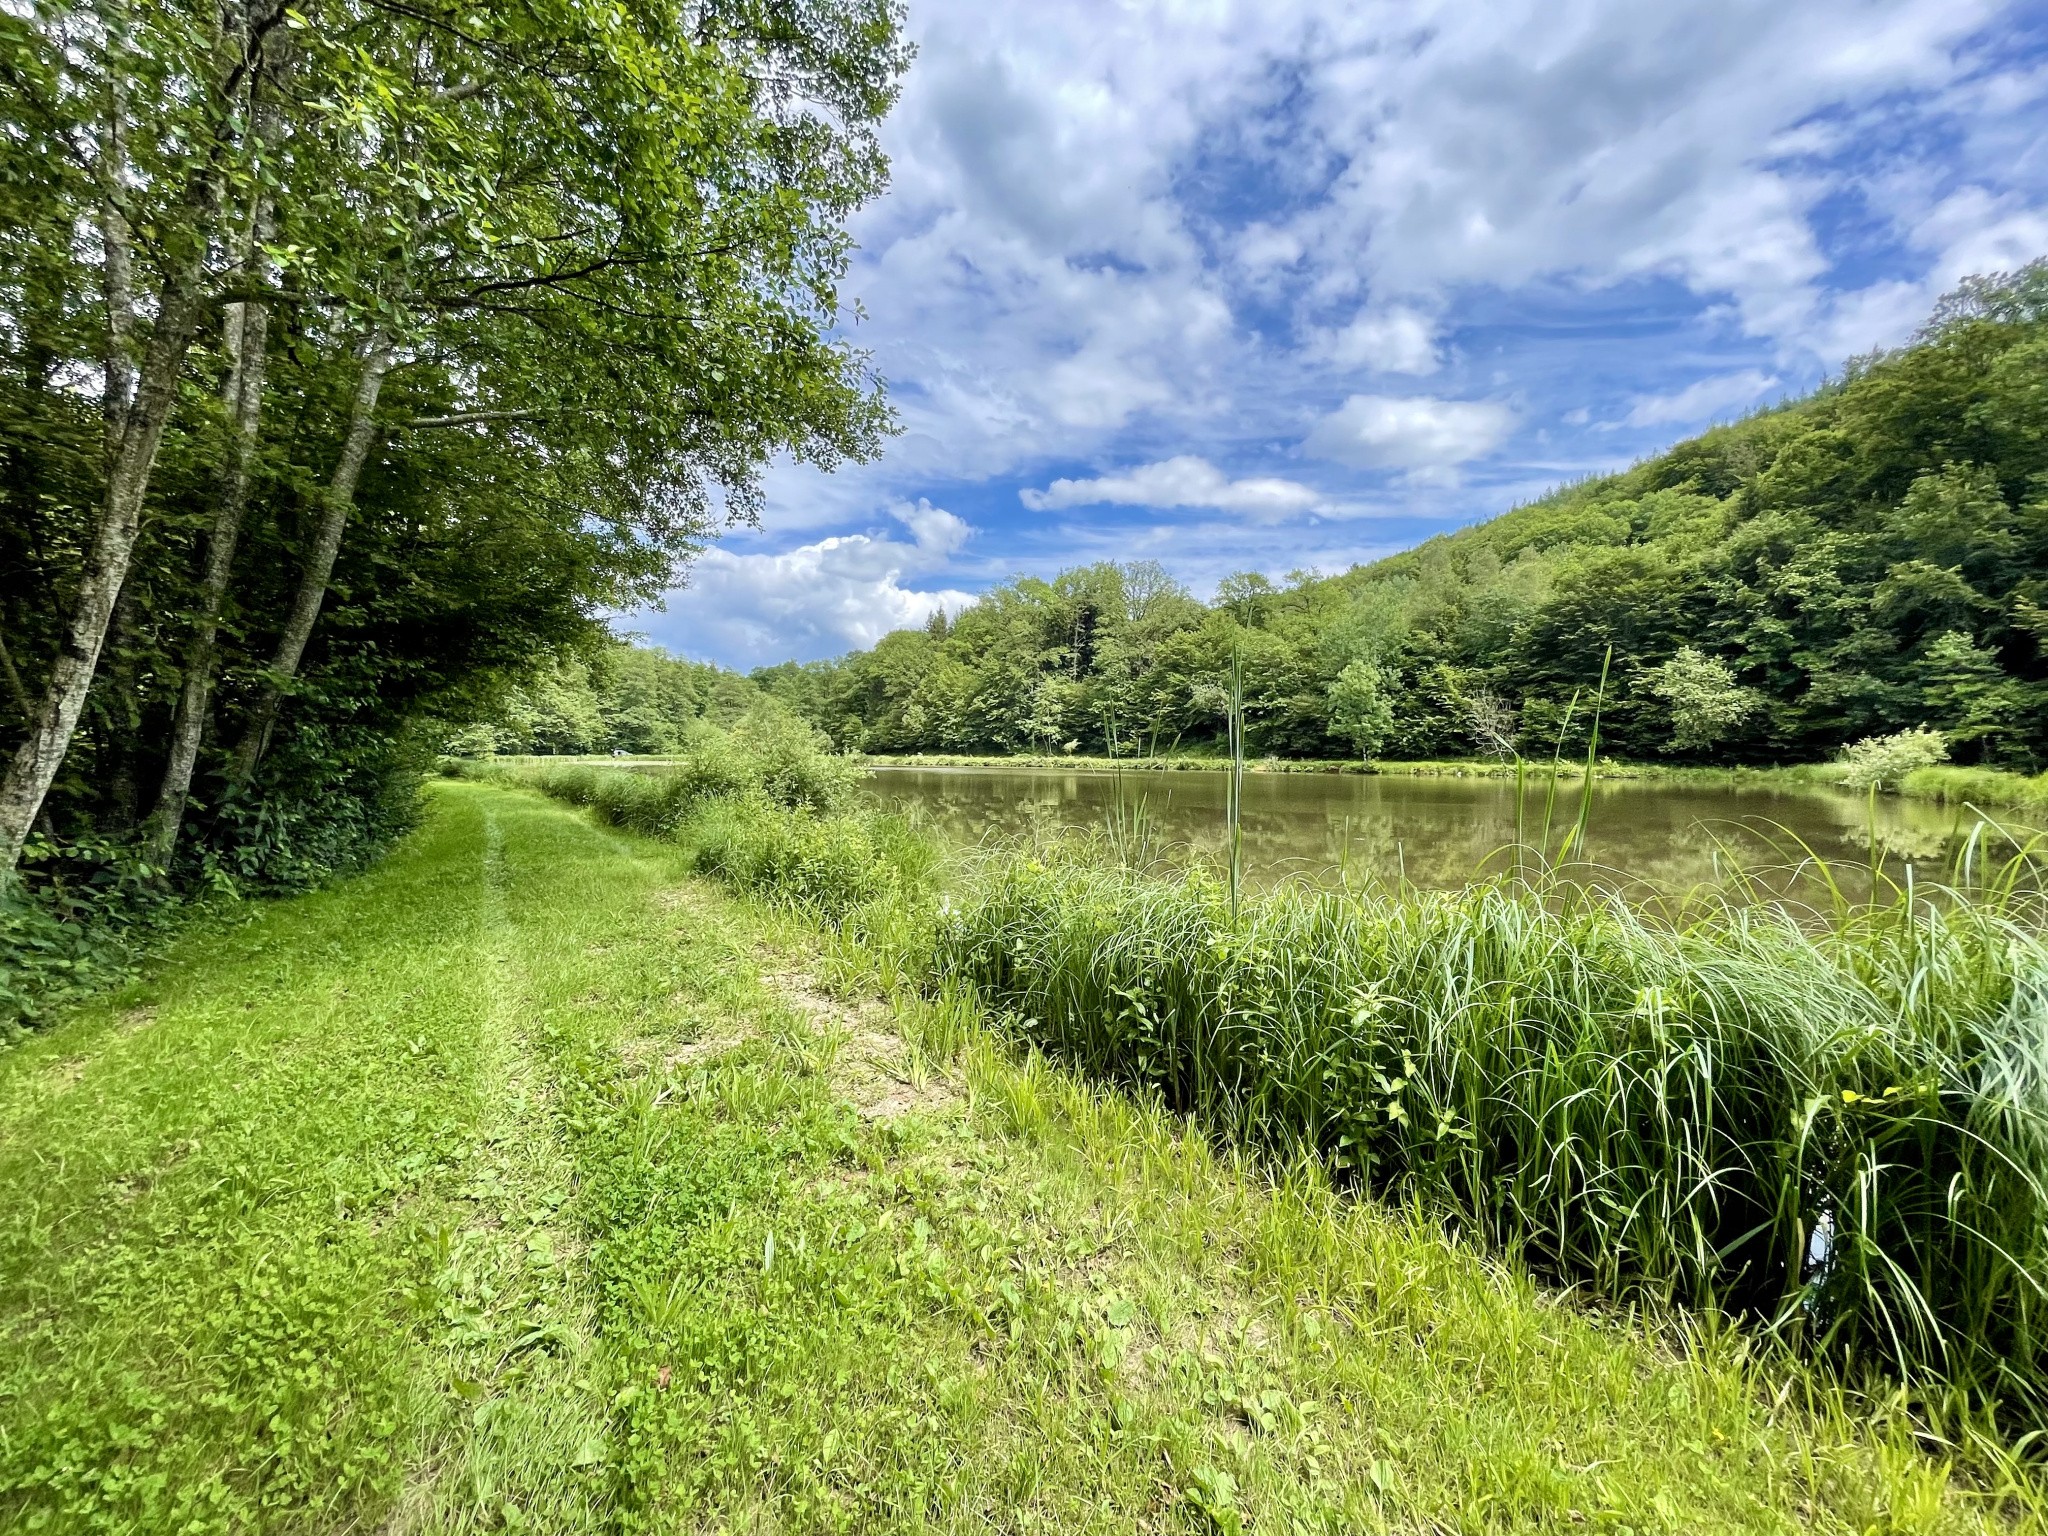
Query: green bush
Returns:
{"type": "Point", "coordinates": [761, 808]}
{"type": "Point", "coordinates": [1845, 1135]}
{"type": "Point", "coordinates": [1884, 762]}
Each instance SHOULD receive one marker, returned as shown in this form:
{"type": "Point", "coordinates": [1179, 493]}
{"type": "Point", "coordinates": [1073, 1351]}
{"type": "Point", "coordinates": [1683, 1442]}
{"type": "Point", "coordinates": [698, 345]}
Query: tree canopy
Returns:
{"type": "Point", "coordinates": [355, 355]}
{"type": "Point", "coordinates": [1870, 559]}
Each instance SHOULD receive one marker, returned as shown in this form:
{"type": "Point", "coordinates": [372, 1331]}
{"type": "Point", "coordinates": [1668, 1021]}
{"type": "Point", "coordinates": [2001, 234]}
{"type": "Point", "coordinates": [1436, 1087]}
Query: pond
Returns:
{"type": "Point", "coordinates": [1646, 836]}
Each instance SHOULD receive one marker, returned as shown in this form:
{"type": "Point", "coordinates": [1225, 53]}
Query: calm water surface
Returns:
{"type": "Point", "coordinates": [1647, 836]}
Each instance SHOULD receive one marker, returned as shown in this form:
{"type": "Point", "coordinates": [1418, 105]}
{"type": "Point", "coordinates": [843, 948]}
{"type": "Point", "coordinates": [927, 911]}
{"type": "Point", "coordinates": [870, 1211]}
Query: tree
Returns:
{"type": "Point", "coordinates": [1362, 707]}
{"type": "Point", "coordinates": [1705, 701]}
{"type": "Point", "coordinates": [601, 246]}
{"type": "Point", "coordinates": [154, 107]}
{"type": "Point", "coordinates": [1973, 696]}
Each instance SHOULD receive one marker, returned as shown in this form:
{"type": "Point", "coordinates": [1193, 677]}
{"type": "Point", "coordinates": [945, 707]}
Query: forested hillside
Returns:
{"type": "Point", "coordinates": [1868, 559]}
{"type": "Point", "coordinates": [353, 358]}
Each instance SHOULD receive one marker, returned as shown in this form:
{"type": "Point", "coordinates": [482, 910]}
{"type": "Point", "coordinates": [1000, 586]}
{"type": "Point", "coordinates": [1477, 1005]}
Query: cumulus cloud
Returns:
{"type": "Point", "coordinates": [1393, 340]}
{"type": "Point", "coordinates": [1160, 234]}
{"type": "Point", "coordinates": [1702, 401]}
{"type": "Point", "coordinates": [1185, 481]}
{"type": "Point", "coordinates": [818, 599]}
{"type": "Point", "coordinates": [1412, 432]}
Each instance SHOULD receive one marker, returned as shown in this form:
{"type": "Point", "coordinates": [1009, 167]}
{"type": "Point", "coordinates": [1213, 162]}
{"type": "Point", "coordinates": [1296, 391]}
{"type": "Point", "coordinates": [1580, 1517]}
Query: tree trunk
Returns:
{"type": "Point", "coordinates": [340, 501]}
{"type": "Point", "coordinates": [122, 713]}
{"type": "Point", "coordinates": [41, 752]}
{"type": "Point", "coordinates": [247, 329]}
{"type": "Point", "coordinates": [135, 432]}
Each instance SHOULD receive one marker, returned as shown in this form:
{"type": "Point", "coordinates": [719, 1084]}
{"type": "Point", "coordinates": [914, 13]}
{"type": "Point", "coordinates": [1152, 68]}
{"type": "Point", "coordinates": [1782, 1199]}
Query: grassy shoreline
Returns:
{"type": "Point", "coordinates": [1492, 1052]}
{"type": "Point", "coordinates": [530, 1183]}
{"type": "Point", "coordinates": [1986, 788]}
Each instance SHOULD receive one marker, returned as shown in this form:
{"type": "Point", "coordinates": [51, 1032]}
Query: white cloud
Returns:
{"type": "Point", "coordinates": [1702, 401]}
{"type": "Point", "coordinates": [1412, 432]}
{"type": "Point", "coordinates": [1132, 234]}
{"type": "Point", "coordinates": [1393, 340]}
{"type": "Point", "coordinates": [834, 595]}
{"type": "Point", "coordinates": [1185, 481]}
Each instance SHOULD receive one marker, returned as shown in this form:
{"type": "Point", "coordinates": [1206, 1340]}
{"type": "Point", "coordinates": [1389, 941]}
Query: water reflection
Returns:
{"type": "Point", "coordinates": [1646, 836]}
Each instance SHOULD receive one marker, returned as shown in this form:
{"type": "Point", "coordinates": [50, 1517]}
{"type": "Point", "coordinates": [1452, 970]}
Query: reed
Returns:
{"type": "Point", "coordinates": [1838, 1130]}
{"type": "Point", "coordinates": [1842, 1135]}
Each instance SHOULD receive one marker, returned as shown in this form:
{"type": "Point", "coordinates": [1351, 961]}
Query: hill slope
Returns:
{"type": "Point", "coordinates": [1870, 558]}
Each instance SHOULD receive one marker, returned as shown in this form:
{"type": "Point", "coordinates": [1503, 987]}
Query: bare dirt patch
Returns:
{"type": "Point", "coordinates": [875, 1070]}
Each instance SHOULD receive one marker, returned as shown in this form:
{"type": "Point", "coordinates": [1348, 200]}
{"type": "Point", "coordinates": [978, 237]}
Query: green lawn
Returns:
{"type": "Point", "coordinates": [527, 1183]}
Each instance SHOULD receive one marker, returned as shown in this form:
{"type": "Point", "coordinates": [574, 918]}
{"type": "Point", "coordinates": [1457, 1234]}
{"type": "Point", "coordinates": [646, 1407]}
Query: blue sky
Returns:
{"type": "Point", "coordinates": [1279, 286]}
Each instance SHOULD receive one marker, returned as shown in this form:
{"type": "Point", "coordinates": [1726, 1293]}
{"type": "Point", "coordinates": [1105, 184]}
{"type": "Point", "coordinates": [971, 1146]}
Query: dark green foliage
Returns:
{"type": "Point", "coordinates": [1867, 560]}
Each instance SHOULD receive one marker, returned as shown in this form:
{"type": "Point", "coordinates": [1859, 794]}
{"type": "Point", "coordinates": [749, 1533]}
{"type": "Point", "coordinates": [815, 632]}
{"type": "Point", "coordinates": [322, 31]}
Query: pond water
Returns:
{"type": "Point", "coordinates": [1645, 836]}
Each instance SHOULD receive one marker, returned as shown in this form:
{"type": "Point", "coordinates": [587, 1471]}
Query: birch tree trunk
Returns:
{"type": "Point", "coordinates": [247, 335]}
{"type": "Point", "coordinates": [41, 753]}
{"type": "Point", "coordinates": [377, 357]}
{"type": "Point", "coordinates": [135, 428]}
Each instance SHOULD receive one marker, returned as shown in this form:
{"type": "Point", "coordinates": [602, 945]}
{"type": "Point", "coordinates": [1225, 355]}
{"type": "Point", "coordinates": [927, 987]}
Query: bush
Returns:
{"type": "Point", "coordinates": [760, 809]}
{"type": "Point", "coordinates": [1878, 762]}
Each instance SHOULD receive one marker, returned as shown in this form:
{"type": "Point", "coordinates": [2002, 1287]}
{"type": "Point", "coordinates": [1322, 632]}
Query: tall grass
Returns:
{"type": "Point", "coordinates": [1840, 1132]}
{"type": "Point", "coordinates": [1844, 1136]}
{"type": "Point", "coordinates": [1982, 787]}
{"type": "Point", "coordinates": [764, 809]}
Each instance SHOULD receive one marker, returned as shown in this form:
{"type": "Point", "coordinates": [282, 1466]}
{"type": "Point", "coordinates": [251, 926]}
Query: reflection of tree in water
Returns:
{"type": "Point", "coordinates": [1645, 836]}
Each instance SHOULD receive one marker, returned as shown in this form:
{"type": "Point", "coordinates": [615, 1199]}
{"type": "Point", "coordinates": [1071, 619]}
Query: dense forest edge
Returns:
{"type": "Point", "coordinates": [1869, 560]}
{"type": "Point", "coordinates": [351, 363]}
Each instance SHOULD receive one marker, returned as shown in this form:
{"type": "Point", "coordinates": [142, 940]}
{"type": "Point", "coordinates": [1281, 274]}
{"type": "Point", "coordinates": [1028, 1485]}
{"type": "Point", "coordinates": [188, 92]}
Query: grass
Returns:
{"type": "Point", "coordinates": [1987, 788]}
{"type": "Point", "coordinates": [530, 1183]}
{"type": "Point", "coordinates": [1840, 1137]}
{"type": "Point", "coordinates": [1835, 1134]}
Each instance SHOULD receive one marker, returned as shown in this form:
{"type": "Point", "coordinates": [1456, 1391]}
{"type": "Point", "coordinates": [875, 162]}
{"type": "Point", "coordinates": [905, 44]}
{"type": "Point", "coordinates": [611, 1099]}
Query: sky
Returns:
{"type": "Point", "coordinates": [1289, 285]}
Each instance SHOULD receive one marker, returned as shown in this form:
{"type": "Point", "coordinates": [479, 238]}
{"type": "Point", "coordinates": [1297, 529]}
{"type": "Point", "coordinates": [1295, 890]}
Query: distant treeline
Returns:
{"type": "Point", "coordinates": [1866, 560]}
{"type": "Point", "coordinates": [622, 698]}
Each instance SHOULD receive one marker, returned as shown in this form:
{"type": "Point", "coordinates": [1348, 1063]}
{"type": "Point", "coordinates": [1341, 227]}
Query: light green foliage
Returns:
{"type": "Point", "coordinates": [1706, 702]}
{"type": "Point", "coordinates": [1862, 561]}
{"type": "Point", "coordinates": [524, 1185]}
{"type": "Point", "coordinates": [765, 809]}
{"type": "Point", "coordinates": [1643, 1109]}
{"type": "Point", "coordinates": [1884, 762]}
{"type": "Point", "coordinates": [622, 698]}
{"type": "Point", "coordinates": [1983, 787]}
{"type": "Point", "coordinates": [1362, 707]}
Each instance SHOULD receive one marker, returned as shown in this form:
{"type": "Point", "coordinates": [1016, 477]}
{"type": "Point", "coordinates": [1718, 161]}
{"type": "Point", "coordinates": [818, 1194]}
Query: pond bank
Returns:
{"type": "Point", "coordinates": [1986, 787]}
{"type": "Point", "coordinates": [532, 1182]}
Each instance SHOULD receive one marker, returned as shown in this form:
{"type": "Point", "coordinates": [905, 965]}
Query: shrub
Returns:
{"type": "Point", "coordinates": [1879, 762]}
{"type": "Point", "coordinates": [752, 808]}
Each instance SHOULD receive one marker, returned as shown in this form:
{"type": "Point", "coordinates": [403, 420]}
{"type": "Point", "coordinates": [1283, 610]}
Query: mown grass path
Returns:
{"type": "Point", "coordinates": [525, 1183]}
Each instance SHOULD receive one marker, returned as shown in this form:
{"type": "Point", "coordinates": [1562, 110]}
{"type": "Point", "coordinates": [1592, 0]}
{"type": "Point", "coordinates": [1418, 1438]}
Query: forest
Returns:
{"type": "Point", "coordinates": [1870, 559]}
{"type": "Point", "coordinates": [353, 358]}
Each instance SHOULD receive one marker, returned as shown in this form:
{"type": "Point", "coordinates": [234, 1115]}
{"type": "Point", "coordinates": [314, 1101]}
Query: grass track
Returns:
{"type": "Point", "coordinates": [525, 1184]}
